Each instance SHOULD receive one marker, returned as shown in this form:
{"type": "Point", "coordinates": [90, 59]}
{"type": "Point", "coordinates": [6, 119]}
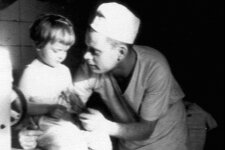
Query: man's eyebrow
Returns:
{"type": "Point", "coordinates": [99, 14]}
{"type": "Point", "coordinates": [91, 49]}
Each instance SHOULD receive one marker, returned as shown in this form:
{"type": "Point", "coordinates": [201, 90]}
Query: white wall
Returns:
{"type": "Point", "coordinates": [14, 38]}
{"type": "Point", "coordinates": [14, 25]}
{"type": "Point", "coordinates": [5, 90]}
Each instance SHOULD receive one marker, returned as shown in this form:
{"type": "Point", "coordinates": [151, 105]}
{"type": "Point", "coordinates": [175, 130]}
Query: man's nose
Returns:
{"type": "Point", "coordinates": [88, 56]}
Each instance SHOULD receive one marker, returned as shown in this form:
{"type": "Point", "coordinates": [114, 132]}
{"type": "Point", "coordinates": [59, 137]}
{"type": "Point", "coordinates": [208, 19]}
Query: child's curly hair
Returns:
{"type": "Point", "coordinates": [52, 28]}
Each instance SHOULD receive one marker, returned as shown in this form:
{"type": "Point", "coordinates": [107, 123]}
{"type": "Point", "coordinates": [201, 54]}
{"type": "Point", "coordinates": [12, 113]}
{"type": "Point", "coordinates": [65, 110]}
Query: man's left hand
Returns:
{"type": "Point", "coordinates": [94, 120]}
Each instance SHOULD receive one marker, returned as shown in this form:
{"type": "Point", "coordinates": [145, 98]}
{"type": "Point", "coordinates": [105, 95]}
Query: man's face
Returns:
{"type": "Point", "coordinates": [100, 55]}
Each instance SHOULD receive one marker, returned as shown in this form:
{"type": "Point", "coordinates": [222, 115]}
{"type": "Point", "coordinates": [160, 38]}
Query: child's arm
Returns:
{"type": "Point", "coordinates": [55, 111]}
{"type": "Point", "coordinates": [28, 87]}
{"type": "Point", "coordinates": [39, 109]}
{"type": "Point", "coordinates": [77, 105]}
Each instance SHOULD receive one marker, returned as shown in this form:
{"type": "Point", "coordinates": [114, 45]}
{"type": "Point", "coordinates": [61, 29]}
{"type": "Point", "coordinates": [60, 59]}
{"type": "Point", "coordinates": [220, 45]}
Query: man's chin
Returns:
{"type": "Point", "coordinates": [97, 71]}
{"type": "Point", "coordinates": [93, 68]}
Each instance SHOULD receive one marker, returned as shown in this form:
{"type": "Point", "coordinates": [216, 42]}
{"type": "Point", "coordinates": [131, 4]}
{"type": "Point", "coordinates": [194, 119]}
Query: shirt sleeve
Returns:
{"type": "Point", "coordinates": [68, 78]}
{"type": "Point", "coordinates": [157, 95]}
{"type": "Point", "coordinates": [84, 83]}
{"type": "Point", "coordinates": [25, 83]}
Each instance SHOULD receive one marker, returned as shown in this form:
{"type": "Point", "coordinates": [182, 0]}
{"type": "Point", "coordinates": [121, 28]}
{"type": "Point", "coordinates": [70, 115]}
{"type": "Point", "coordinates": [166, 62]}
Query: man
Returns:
{"type": "Point", "coordinates": [135, 82]}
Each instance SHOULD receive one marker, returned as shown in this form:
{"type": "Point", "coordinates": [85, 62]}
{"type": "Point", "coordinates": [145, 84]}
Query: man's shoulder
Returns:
{"type": "Point", "coordinates": [148, 55]}
{"type": "Point", "coordinates": [85, 73]}
{"type": "Point", "coordinates": [148, 52]}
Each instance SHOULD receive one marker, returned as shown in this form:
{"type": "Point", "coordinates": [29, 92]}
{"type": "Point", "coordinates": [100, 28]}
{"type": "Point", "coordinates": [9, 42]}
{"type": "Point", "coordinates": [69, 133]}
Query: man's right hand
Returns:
{"type": "Point", "coordinates": [28, 138]}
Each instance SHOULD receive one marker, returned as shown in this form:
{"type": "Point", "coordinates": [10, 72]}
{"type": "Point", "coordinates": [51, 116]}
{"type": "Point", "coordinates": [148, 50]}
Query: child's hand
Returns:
{"type": "Point", "coordinates": [77, 105]}
{"type": "Point", "coordinates": [58, 111]}
{"type": "Point", "coordinates": [28, 138]}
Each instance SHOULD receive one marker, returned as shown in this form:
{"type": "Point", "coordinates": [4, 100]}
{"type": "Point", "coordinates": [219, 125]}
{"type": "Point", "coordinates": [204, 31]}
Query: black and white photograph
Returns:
{"type": "Point", "coordinates": [111, 75]}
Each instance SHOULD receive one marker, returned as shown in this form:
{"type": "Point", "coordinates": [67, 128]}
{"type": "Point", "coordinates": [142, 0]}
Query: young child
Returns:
{"type": "Point", "coordinates": [47, 86]}
{"type": "Point", "coordinates": [47, 83]}
{"type": "Point", "coordinates": [44, 80]}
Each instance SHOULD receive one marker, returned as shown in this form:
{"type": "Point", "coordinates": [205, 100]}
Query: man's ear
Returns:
{"type": "Point", "coordinates": [123, 50]}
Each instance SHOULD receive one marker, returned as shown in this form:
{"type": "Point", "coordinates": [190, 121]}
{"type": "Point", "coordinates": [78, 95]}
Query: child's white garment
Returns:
{"type": "Point", "coordinates": [64, 135]}
{"type": "Point", "coordinates": [61, 135]}
{"type": "Point", "coordinates": [42, 84]}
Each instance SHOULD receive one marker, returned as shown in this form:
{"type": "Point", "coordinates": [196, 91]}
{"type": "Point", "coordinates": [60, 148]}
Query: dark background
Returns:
{"type": "Point", "coordinates": [190, 33]}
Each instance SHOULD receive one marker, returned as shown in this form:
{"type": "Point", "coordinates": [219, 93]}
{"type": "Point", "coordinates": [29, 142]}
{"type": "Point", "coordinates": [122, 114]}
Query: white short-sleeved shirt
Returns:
{"type": "Point", "coordinates": [42, 84]}
{"type": "Point", "coordinates": [152, 94]}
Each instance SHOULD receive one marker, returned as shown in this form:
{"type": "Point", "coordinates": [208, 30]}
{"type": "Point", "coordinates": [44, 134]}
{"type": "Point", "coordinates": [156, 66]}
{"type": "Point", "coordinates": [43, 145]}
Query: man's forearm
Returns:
{"type": "Point", "coordinates": [132, 131]}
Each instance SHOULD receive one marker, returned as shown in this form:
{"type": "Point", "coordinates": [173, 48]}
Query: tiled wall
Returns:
{"type": "Point", "coordinates": [14, 25]}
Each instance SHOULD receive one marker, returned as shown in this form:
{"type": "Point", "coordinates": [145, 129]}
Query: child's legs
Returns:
{"type": "Point", "coordinates": [62, 135]}
{"type": "Point", "coordinates": [98, 140]}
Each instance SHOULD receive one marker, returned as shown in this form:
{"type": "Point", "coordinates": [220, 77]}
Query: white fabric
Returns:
{"type": "Point", "coordinates": [62, 135]}
{"type": "Point", "coordinates": [42, 84]}
{"type": "Point", "coordinates": [152, 94]}
{"type": "Point", "coordinates": [98, 140]}
{"type": "Point", "coordinates": [117, 22]}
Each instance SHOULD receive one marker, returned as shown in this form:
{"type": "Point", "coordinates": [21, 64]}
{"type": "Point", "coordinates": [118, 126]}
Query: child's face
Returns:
{"type": "Point", "coordinates": [53, 54]}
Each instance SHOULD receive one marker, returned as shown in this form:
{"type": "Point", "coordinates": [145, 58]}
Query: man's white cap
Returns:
{"type": "Point", "coordinates": [117, 22]}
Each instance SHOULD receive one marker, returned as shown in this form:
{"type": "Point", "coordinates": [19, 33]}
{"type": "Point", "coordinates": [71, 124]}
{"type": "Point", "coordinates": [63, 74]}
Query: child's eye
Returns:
{"type": "Point", "coordinates": [55, 50]}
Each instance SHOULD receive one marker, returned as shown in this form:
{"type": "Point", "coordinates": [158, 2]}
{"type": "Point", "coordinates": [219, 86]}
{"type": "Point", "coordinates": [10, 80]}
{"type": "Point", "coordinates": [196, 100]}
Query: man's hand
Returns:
{"type": "Point", "coordinates": [28, 138]}
{"type": "Point", "coordinates": [94, 121]}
